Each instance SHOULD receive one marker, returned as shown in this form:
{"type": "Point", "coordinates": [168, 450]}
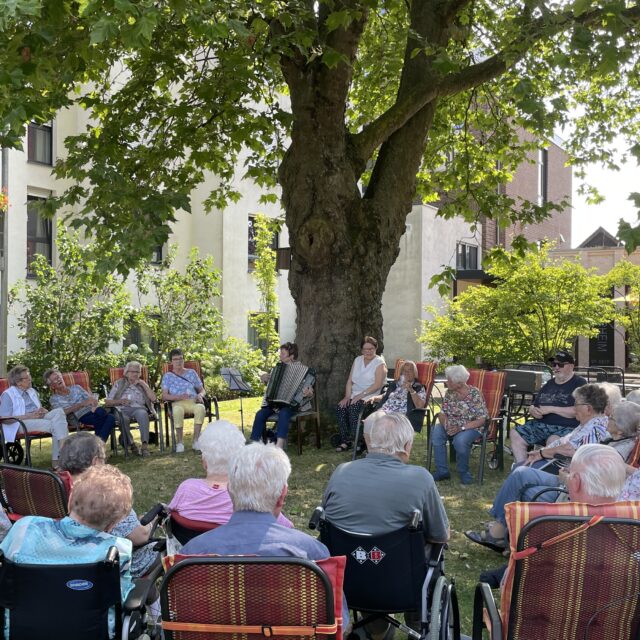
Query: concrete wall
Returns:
{"type": "Point", "coordinates": [428, 244]}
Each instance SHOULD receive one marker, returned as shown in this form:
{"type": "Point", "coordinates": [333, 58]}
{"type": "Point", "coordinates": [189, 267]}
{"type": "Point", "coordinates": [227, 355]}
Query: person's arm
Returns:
{"type": "Point", "coordinates": [148, 391]}
{"type": "Point", "coordinates": [87, 401]}
{"type": "Point", "coordinates": [140, 535]}
{"type": "Point", "coordinates": [111, 400]}
{"type": "Point", "coordinates": [565, 412]}
{"type": "Point", "coordinates": [347, 389]}
{"type": "Point", "coordinates": [419, 398]}
{"type": "Point", "coordinates": [434, 516]}
{"type": "Point", "coordinates": [381, 374]}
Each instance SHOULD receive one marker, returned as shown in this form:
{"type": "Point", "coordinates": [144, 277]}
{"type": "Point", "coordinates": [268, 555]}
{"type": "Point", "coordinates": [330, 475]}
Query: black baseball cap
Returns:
{"type": "Point", "coordinates": [563, 357]}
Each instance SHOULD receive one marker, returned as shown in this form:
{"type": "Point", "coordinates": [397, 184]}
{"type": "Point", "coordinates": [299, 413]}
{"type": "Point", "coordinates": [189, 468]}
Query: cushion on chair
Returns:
{"type": "Point", "coordinates": [78, 377]}
{"type": "Point", "coordinates": [581, 568]}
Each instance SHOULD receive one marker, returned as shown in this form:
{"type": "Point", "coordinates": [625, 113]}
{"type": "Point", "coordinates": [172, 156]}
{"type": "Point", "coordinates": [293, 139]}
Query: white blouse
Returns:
{"type": "Point", "coordinates": [363, 375]}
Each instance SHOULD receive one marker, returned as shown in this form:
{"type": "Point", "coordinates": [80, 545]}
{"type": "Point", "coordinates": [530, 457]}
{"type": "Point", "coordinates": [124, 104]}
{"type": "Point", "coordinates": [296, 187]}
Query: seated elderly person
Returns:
{"type": "Point", "coordinates": [208, 499]}
{"type": "Point", "coordinates": [596, 476]}
{"type": "Point", "coordinates": [591, 402]}
{"type": "Point", "coordinates": [552, 412]}
{"type": "Point", "coordinates": [258, 477]}
{"type": "Point", "coordinates": [100, 497]}
{"type": "Point", "coordinates": [463, 412]}
{"type": "Point", "coordinates": [78, 404]}
{"type": "Point", "coordinates": [404, 395]}
{"type": "Point", "coordinates": [378, 494]}
{"type": "Point", "coordinates": [82, 451]}
{"type": "Point", "coordinates": [184, 389]}
{"type": "Point", "coordinates": [134, 399]}
{"type": "Point", "coordinates": [525, 482]}
{"type": "Point", "coordinates": [21, 401]}
{"type": "Point", "coordinates": [288, 355]}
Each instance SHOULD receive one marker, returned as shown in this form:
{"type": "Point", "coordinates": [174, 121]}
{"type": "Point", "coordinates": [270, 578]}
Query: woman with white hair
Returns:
{"type": "Point", "coordinates": [134, 399]}
{"type": "Point", "coordinates": [463, 412]}
{"type": "Point", "coordinates": [208, 500]}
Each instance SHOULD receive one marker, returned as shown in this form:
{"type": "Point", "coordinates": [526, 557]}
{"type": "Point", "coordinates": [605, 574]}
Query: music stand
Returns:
{"type": "Point", "coordinates": [234, 381]}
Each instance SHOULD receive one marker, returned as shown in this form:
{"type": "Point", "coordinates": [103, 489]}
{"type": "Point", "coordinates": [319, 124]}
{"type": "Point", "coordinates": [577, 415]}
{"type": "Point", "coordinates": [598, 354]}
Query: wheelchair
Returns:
{"type": "Point", "coordinates": [394, 573]}
{"type": "Point", "coordinates": [72, 601]}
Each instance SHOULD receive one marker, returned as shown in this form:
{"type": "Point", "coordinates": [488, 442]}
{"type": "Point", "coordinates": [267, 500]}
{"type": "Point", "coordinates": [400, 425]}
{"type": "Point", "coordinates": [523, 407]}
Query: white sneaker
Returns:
{"type": "Point", "coordinates": [196, 446]}
{"type": "Point", "coordinates": [179, 448]}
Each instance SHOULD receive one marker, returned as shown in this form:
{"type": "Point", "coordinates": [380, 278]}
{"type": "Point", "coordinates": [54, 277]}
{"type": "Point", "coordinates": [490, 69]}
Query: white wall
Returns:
{"type": "Point", "coordinates": [428, 244]}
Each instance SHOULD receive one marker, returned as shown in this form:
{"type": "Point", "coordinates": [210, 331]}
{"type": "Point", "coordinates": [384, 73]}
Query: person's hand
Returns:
{"type": "Point", "coordinates": [307, 392]}
{"type": "Point", "coordinates": [533, 456]}
{"type": "Point", "coordinates": [356, 398]}
{"type": "Point", "coordinates": [199, 399]}
{"type": "Point", "coordinates": [264, 378]}
{"type": "Point", "coordinates": [535, 412]}
{"type": "Point", "coordinates": [344, 402]}
{"type": "Point", "coordinates": [125, 402]}
{"type": "Point", "coordinates": [407, 386]}
{"type": "Point", "coordinates": [451, 430]}
{"type": "Point", "coordinates": [39, 413]}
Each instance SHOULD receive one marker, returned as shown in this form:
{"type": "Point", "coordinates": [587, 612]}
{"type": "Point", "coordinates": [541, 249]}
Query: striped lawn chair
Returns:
{"type": "Point", "coordinates": [225, 597]}
{"type": "Point", "coordinates": [32, 492]}
{"type": "Point", "coordinates": [573, 573]}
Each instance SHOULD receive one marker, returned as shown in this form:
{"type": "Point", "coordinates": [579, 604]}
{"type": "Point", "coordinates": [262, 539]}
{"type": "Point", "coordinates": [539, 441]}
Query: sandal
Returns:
{"type": "Point", "coordinates": [343, 446]}
{"type": "Point", "coordinates": [485, 539]}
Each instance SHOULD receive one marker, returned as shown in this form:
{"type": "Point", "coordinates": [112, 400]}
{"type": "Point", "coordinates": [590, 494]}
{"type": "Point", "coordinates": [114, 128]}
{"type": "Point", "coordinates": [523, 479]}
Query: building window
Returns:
{"type": "Point", "coordinates": [466, 256]}
{"type": "Point", "coordinates": [40, 143]}
{"type": "Point", "coordinates": [139, 336]}
{"type": "Point", "coordinates": [39, 233]}
{"type": "Point", "coordinates": [258, 343]}
{"type": "Point", "coordinates": [157, 254]}
{"type": "Point", "coordinates": [543, 176]}
{"type": "Point", "coordinates": [252, 253]}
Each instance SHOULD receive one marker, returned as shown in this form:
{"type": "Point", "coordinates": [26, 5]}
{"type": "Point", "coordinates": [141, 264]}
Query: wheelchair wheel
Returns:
{"type": "Point", "coordinates": [492, 462]}
{"type": "Point", "coordinates": [443, 611]}
{"type": "Point", "coordinates": [15, 453]}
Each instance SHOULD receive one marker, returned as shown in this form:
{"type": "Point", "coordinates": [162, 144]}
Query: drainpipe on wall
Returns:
{"type": "Point", "coordinates": [4, 276]}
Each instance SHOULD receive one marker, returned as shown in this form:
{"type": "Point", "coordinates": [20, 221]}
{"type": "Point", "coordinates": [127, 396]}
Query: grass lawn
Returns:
{"type": "Point", "coordinates": [155, 480]}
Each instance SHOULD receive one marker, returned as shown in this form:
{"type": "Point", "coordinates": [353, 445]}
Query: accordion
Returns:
{"type": "Point", "coordinates": [287, 382]}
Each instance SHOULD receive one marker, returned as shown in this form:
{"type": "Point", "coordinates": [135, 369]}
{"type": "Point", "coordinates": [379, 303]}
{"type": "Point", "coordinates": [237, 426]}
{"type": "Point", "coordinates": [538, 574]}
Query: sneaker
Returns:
{"type": "Point", "coordinates": [145, 453]}
{"type": "Point", "coordinates": [179, 448]}
{"type": "Point", "coordinates": [195, 446]}
{"type": "Point", "coordinates": [441, 475]}
{"type": "Point", "coordinates": [466, 478]}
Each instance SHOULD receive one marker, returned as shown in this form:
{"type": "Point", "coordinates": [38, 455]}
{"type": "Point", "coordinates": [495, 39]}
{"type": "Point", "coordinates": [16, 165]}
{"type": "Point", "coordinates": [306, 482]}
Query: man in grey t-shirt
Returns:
{"type": "Point", "coordinates": [378, 494]}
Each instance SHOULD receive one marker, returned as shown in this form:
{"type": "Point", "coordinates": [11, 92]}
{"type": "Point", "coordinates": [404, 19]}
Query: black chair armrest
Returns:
{"type": "Point", "coordinates": [137, 597]}
{"type": "Point", "coordinates": [484, 599]}
{"type": "Point", "coordinates": [316, 516]}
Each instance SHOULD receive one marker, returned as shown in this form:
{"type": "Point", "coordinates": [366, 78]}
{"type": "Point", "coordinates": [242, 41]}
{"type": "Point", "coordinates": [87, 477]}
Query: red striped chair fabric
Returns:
{"type": "Point", "coordinates": [115, 373]}
{"type": "Point", "coordinates": [568, 561]}
{"type": "Point", "coordinates": [224, 597]}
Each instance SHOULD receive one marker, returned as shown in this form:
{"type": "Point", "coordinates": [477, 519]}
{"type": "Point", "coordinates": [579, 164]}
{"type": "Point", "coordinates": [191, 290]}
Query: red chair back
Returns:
{"type": "Point", "coordinates": [4, 384]}
{"type": "Point", "coordinates": [115, 373]}
{"type": "Point", "coordinates": [491, 384]}
{"type": "Point", "coordinates": [32, 492]}
{"type": "Point", "coordinates": [80, 378]}
{"type": "Point", "coordinates": [568, 561]}
{"type": "Point", "coordinates": [634, 456]}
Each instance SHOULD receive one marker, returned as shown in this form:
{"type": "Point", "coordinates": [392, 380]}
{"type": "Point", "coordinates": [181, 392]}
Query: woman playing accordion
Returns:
{"type": "Point", "coordinates": [288, 391]}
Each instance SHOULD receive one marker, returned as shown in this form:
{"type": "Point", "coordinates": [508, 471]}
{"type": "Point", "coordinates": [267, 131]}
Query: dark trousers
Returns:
{"type": "Point", "coordinates": [101, 420]}
{"type": "Point", "coordinates": [282, 425]}
{"type": "Point", "coordinates": [347, 418]}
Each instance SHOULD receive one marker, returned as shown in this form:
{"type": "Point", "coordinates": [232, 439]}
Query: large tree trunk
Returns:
{"type": "Point", "coordinates": [343, 243]}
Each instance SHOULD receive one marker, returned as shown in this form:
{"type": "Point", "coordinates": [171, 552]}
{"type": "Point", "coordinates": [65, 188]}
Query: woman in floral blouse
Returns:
{"type": "Point", "coordinates": [463, 412]}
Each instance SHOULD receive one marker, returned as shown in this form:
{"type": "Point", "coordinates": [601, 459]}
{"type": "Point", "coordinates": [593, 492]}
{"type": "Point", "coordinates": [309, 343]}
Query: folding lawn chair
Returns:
{"type": "Point", "coordinates": [573, 573]}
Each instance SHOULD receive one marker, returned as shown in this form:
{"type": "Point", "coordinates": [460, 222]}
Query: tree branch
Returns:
{"type": "Point", "coordinates": [379, 130]}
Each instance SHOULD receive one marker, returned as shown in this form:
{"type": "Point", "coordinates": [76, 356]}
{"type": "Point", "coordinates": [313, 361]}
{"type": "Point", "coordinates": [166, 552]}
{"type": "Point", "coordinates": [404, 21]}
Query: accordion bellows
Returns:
{"type": "Point", "coordinates": [287, 382]}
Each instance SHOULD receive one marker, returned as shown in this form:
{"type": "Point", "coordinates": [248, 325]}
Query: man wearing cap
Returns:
{"type": "Point", "coordinates": [552, 412]}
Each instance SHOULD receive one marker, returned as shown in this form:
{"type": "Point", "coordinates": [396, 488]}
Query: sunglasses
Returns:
{"type": "Point", "coordinates": [559, 364]}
